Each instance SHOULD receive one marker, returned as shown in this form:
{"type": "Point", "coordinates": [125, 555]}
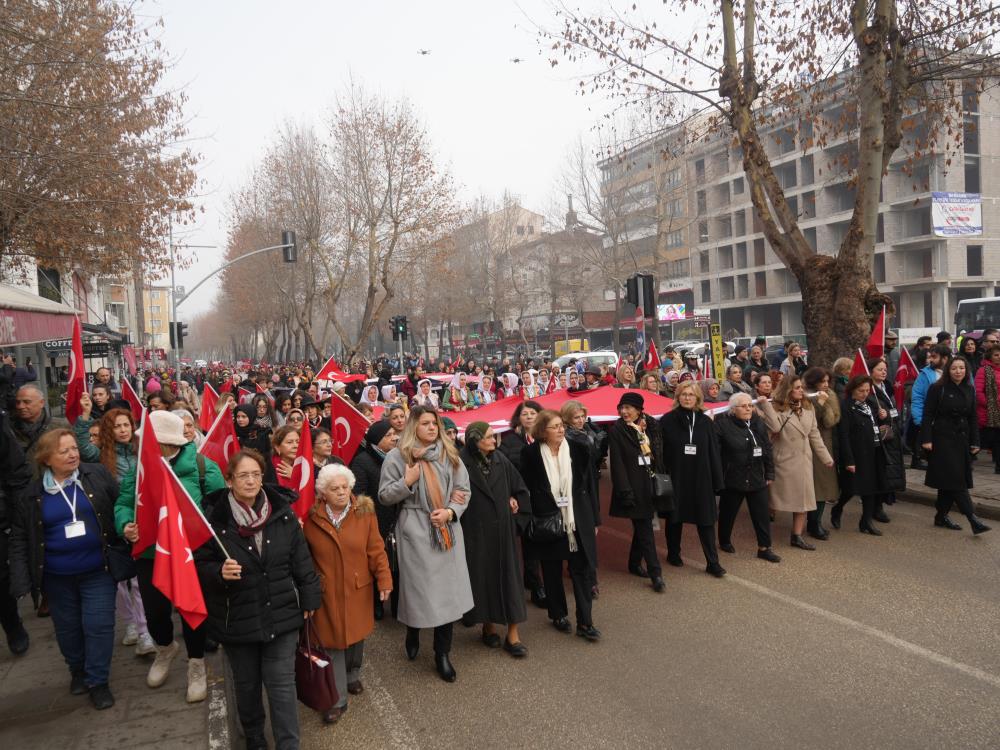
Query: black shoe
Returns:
{"type": "Point", "coordinates": [818, 532]}
{"type": "Point", "coordinates": [727, 547]}
{"type": "Point", "coordinates": [517, 650]}
{"type": "Point", "coordinates": [444, 667]}
{"type": "Point", "coordinates": [562, 624]}
{"type": "Point", "coordinates": [18, 641]}
{"type": "Point", "coordinates": [589, 632]}
{"type": "Point", "coordinates": [638, 570]}
{"type": "Point", "coordinates": [76, 684]}
{"type": "Point", "coordinates": [379, 611]}
{"type": "Point", "coordinates": [412, 646]}
{"type": "Point", "coordinates": [880, 516]}
{"type": "Point", "coordinates": [946, 523]}
{"type": "Point", "coordinates": [996, 469]}
{"type": "Point", "coordinates": [869, 529]}
{"type": "Point", "coordinates": [916, 463]}
{"type": "Point", "coordinates": [675, 560]}
{"type": "Point", "coordinates": [978, 527]}
{"type": "Point", "coordinates": [715, 569]}
{"type": "Point", "coordinates": [539, 599]}
{"type": "Point", "coordinates": [658, 585]}
{"type": "Point", "coordinates": [101, 697]}
{"type": "Point", "coordinates": [492, 640]}
{"type": "Point", "coordinates": [835, 514]}
{"type": "Point", "coordinates": [768, 554]}
{"type": "Point", "coordinates": [355, 688]}
{"type": "Point", "coordinates": [798, 541]}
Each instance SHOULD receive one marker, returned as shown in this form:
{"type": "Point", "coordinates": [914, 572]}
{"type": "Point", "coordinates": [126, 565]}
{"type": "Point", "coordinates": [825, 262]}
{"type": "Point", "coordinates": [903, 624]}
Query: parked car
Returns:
{"type": "Point", "coordinates": [591, 359]}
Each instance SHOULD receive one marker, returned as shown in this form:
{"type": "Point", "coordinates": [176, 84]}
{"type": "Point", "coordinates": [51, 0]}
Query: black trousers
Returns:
{"type": "Point", "coordinates": [643, 547]}
{"type": "Point", "coordinates": [10, 620]}
{"type": "Point", "coordinates": [729, 506]}
{"type": "Point", "coordinates": [947, 498]}
{"type": "Point", "coordinates": [442, 637]}
{"type": "Point", "coordinates": [159, 614]}
{"type": "Point", "coordinates": [532, 577]}
{"type": "Point", "coordinates": [706, 534]}
{"type": "Point", "coordinates": [555, 591]}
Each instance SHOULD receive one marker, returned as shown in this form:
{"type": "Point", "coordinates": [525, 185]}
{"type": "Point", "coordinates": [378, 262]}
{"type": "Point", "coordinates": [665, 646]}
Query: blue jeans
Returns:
{"type": "Point", "coordinates": [270, 665]}
{"type": "Point", "coordinates": [83, 613]}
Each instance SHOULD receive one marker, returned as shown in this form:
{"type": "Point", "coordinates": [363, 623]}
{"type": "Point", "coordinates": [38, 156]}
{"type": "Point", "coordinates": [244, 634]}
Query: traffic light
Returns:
{"type": "Point", "coordinates": [394, 324]}
{"type": "Point", "coordinates": [648, 292]}
{"type": "Point", "coordinates": [177, 333]}
{"type": "Point", "coordinates": [402, 325]}
{"type": "Point", "coordinates": [290, 251]}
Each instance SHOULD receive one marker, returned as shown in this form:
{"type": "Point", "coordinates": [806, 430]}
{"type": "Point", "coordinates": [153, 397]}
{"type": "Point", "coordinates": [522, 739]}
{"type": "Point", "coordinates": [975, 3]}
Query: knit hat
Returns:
{"type": "Point", "coordinates": [377, 431]}
{"type": "Point", "coordinates": [168, 428]}
{"type": "Point", "coordinates": [475, 432]}
{"type": "Point", "coordinates": [631, 398]}
{"type": "Point", "coordinates": [449, 424]}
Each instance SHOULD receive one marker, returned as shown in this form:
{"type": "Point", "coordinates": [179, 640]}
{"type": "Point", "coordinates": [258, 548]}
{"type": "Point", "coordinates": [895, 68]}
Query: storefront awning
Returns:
{"type": "Point", "coordinates": [26, 318]}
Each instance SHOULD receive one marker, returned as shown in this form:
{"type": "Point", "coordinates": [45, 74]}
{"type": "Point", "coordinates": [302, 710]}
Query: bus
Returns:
{"type": "Point", "coordinates": [976, 314]}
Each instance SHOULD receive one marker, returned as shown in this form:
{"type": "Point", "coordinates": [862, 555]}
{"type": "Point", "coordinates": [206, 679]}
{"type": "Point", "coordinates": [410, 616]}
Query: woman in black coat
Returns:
{"type": "Point", "coordinates": [498, 509]}
{"type": "Point", "coordinates": [556, 489]}
{"type": "Point", "coordinates": [861, 454]}
{"type": "Point", "coordinates": [632, 462]}
{"type": "Point", "coordinates": [258, 595]}
{"type": "Point", "coordinates": [747, 471]}
{"type": "Point", "coordinates": [691, 455]}
{"type": "Point", "coordinates": [950, 434]}
{"type": "Point", "coordinates": [883, 403]}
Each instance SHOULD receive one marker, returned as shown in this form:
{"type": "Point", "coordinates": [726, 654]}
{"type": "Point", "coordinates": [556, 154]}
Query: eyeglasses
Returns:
{"type": "Point", "coordinates": [991, 341]}
{"type": "Point", "coordinates": [248, 475]}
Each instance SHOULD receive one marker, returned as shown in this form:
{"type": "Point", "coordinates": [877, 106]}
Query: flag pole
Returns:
{"type": "Point", "coordinates": [195, 506]}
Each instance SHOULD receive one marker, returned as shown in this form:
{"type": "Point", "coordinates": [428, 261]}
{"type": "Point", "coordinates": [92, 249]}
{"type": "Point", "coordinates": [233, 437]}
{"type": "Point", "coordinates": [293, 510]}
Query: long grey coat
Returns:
{"type": "Point", "coordinates": [434, 586]}
{"type": "Point", "coordinates": [797, 440]}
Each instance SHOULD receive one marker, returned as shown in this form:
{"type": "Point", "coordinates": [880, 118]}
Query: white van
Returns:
{"type": "Point", "coordinates": [590, 359]}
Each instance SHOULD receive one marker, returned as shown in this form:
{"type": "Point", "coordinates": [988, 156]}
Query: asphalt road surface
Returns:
{"type": "Point", "coordinates": [890, 642]}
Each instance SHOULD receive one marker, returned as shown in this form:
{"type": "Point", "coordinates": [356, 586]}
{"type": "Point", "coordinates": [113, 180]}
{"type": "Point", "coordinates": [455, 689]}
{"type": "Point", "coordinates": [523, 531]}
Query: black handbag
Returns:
{"type": "Point", "coordinates": [121, 564]}
{"type": "Point", "coordinates": [547, 528]}
{"type": "Point", "coordinates": [663, 492]}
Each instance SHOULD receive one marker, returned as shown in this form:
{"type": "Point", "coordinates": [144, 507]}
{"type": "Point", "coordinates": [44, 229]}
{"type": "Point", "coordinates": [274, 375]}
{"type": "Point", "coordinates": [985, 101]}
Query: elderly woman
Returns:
{"type": "Point", "coordinates": [349, 556]}
{"type": "Point", "coordinates": [691, 455]}
{"type": "Point", "coordinates": [565, 517]}
{"type": "Point", "coordinates": [425, 476]}
{"type": "Point", "coordinates": [425, 396]}
{"type": "Point", "coordinates": [191, 431]}
{"type": "Point", "coordinates": [734, 384]}
{"type": "Point", "coordinates": [795, 435]}
{"type": "Point", "coordinates": [457, 396]}
{"type": "Point", "coordinates": [257, 594]}
{"type": "Point", "coordinates": [747, 472]}
{"type": "Point", "coordinates": [710, 391]}
{"type": "Point", "coordinates": [483, 395]}
{"type": "Point", "coordinates": [61, 529]}
{"type": "Point", "coordinates": [841, 374]}
{"type": "Point", "coordinates": [498, 509]}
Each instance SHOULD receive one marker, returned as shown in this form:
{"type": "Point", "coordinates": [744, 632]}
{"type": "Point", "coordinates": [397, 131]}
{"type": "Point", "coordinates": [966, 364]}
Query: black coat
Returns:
{"type": "Point", "coordinates": [586, 507]}
{"type": "Point", "coordinates": [631, 481]}
{"type": "Point", "coordinates": [857, 448]}
{"type": "Point", "coordinates": [275, 588]}
{"type": "Point", "coordinates": [892, 442]}
{"type": "Point", "coordinates": [15, 474]}
{"type": "Point", "coordinates": [741, 471]}
{"type": "Point", "coordinates": [512, 443]}
{"type": "Point", "coordinates": [696, 479]}
{"type": "Point", "coordinates": [950, 425]}
{"type": "Point", "coordinates": [490, 530]}
{"type": "Point", "coordinates": [367, 468]}
{"type": "Point", "coordinates": [27, 536]}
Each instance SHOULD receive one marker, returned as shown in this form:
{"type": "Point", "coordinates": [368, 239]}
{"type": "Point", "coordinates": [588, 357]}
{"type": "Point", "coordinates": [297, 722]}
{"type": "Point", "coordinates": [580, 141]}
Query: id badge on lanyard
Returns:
{"type": "Point", "coordinates": [74, 528]}
{"type": "Point", "coordinates": [690, 449]}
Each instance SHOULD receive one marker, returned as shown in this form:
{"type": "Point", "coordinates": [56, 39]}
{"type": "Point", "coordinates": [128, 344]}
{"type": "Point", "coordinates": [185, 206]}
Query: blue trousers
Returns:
{"type": "Point", "coordinates": [83, 613]}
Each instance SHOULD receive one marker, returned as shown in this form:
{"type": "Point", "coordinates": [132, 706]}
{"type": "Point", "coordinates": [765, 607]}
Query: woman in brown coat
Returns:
{"type": "Point", "coordinates": [349, 555]}
{"type": "Point", "coordinates": [795, 437]}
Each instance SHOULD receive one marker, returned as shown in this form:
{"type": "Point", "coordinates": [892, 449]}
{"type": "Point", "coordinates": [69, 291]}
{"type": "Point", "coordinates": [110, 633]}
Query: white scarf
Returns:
{"type": "Point", "coordinates": [559, 470]}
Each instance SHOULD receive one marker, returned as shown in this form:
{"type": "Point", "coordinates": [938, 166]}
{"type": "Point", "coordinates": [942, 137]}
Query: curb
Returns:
{"type": "Point", "coordinates": [919, 497]}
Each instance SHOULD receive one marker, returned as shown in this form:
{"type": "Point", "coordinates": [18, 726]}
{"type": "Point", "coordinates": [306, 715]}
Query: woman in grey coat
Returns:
{"type": "Point", "coordinates": [426, 478]}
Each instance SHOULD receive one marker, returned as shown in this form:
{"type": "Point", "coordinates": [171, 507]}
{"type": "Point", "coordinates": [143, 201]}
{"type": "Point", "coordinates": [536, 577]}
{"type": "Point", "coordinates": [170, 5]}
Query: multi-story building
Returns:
{"type": "Point", "coordinates": [157, 304]}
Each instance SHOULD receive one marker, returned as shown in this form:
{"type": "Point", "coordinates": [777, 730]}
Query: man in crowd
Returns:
{"type": "Point", "coordinates": [891, 354]}
{"type": "Point", "coordinates": [32, 418]}
{"type": "Point", "coordinates": [103, 377]}
{"type": "Point", "coordinates": [919, 351]}
{"type": "Point", "coordinates": [936, 359]}
{"type": "Point", "coordinates": [15, 475]}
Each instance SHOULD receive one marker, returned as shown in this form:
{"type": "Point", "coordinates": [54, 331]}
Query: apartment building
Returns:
{"type": "Point", "coordinates": [156, 301]}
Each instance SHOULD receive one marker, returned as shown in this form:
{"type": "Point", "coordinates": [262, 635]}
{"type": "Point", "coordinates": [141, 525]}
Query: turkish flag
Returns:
{"type": "Point", "coordinates": [860, 367]}
{"type": "Point", "coordinates": [907, 369]}
{"type": "Point", "coordinates": [226, 387]}
{"type": "Point", "coordinates": [149, 480]}
{"type": "Point", "coordinates": [332, 371]}
{"type": "Point", "coordinates": [135, 404]}
{"type": "Point", "coordinates": [302, 473]}
{"type": "Point", "coordinates": [77, 379]}
{"type": "Point", "coordinates": [174, 572]}
{"type": "Point", "coordinates": [209, 398]}
{"type": "Point", "coordinates": [244, 395]}
{"type": "Point", "coordinates": [220, 441]}
{"type": "Point", "coordinates": [876, 342]}
{"type": "Point", "coordinates": [270, 398]}
{"type": "Point", "coordinates": [349, 428]}
{"type": "Point", "coordinates": [129, 353]}
{"type": "Point", "coordinates": [652, 358]}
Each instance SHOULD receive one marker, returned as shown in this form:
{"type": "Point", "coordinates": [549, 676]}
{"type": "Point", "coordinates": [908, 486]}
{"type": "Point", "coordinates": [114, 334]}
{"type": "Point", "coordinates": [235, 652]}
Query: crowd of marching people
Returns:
{"type": "Point", "coordinates": [436, 517]}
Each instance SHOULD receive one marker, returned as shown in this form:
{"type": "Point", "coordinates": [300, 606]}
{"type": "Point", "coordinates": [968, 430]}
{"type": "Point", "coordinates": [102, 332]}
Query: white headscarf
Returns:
{"type": "Point", "coordinates": [456, 382]}
{"type": "Point", "coordinates": [430, 399]}
{"type": "Point", "coordinates": [509, 383]}
{"type": "Point", "coordinates": [530, 389]}
{"type": "Point", "coordinates": [485, 394]}
{"type": "Point", "coordinates": [389, 393]}
{"type": "Point", "coordinates": [365, 399]}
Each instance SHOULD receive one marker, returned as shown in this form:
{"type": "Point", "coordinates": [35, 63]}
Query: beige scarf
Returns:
{"type": "Point", "coordinates": [559, 470]}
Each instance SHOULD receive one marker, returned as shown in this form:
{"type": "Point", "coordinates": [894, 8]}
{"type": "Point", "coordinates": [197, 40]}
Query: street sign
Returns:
{"type": "Point", "coordinates": [718, 353]}
{"type": "Point", "coordinates": [565, 320]}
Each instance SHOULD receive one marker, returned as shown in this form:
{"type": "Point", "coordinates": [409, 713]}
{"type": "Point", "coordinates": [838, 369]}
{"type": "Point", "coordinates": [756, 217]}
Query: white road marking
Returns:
{"type": "Point", "coordinates": [904, 645]}
{"type": "Point", "coordinates": [399, 734]}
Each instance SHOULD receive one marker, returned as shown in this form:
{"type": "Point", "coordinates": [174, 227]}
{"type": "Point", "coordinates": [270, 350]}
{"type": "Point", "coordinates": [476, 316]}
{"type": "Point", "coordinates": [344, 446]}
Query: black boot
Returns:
{"type": "Point", "coordinates": [942, 521]}
{"type": "Point", "coordinates": [444, 667]}
{"type": "Point", "coordinates": [412, 643]}
{"type": "Point", "coordinates": [835, 514]}
{"type": "Point", "coordinates": [978, 527]}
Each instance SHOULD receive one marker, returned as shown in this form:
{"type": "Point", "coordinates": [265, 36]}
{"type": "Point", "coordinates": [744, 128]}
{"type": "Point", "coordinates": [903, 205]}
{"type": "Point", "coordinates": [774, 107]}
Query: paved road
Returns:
{"type": "Point", "coordinates": [867, 643]}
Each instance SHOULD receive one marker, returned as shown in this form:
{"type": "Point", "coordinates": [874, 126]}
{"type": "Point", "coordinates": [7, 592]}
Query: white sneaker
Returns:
{"type": "Point", "coordinates": [161, 664]}
{"type": "Point", "coordinates": [146, 645]}
{"type": "Point", "coordinates": [197, 681]}
{"type": "Point", "coordinates": [131, 635]}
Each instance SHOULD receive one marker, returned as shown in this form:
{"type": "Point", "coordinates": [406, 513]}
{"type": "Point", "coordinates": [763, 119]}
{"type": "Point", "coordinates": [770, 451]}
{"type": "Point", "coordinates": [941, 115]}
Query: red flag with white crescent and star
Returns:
{"type": "Point", "coordinates": [77, 378]}
{"type": "Point", "coordinates": [331, 371]}
{"type": "Point", "coordinates": [148, 481]}
{"type": "Point", "coordinates": [220, 441]}
{"type": "Point", "coordinates": [134, 403]}
{"type": "Point", "coordinates": [302, 473]}
{"type": "Point", "coordinates": [209, 398]}
{"type": "Point", "coordinates": [349, 428]}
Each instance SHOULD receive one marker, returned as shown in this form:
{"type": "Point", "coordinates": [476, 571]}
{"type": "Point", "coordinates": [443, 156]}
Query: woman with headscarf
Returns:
{"type": "Point", "coordinates": [509, 384]}
{"type": "Point", "coordinates": [483, 395]}
{"type": "Point", "coordinates": [671, 382]}
{"type": "Point", "coordinates": [370, 396]}
{"type": "Point", "coordinates": [457, 396]}
{"type": "Point", "coordinates": [426, 478]}
{"type": "Point", "coordinates": [250, 436]}
{"type": "Point", "coordinates": [499, 509]}
{"type": "Point", "coordinates": [425, 396]}
{"type": "Point", "coordinates": [546, 383]}
{"type": "Point", "coordinates": [530, 387]}
{"type": "Point", "coordinates": [391, 396]}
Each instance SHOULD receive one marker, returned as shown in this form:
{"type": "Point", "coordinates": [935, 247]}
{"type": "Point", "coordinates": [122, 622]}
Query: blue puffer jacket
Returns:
{"type": "Point", "coordinates": [927, 377]}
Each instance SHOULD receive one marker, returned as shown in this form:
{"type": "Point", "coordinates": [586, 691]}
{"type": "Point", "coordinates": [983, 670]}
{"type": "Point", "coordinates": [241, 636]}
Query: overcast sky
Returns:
{"type": "Point", "coordinates": [248, 66]}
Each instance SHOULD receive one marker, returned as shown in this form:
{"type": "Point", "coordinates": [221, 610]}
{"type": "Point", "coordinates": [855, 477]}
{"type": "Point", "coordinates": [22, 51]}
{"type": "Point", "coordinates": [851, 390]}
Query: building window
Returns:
{"type": "Point", "coordinates": [878, 269]}
{"type": "Point", "coordinates": [738, 186]}
{"type": "Point", "coordinates": [702, 231]}
{"type": "Point", "coordinates": [706, 291]}
{"type": "Point", "coordinates": [703, 261]}
{"type": "Point", "coordinates": [155, 323]}
{"type": "Point", "coordinates": [702, 199]}
{"type": "Point", "coordinates": [154, 309]}
{"type": "Point", "coordinates": [520, 230]}
{"type": "Point", "coordinates": [531, 228]}
{"type": "Point", "coordinates": [155, 294]}
{"type": "Point", "coordinates": [673, 177]}
{"type": "Point", "coordinates": [974, 260]}
{"type": "Point", "coordinates": [675, 239]}
{"type": "Point", "coordinates": [972, 174]}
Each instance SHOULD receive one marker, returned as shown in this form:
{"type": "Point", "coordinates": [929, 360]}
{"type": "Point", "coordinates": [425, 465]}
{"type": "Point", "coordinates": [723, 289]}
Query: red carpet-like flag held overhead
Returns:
{"type": "Point", "coordinates": [349, 428]}
{"type": "Point", "coordinates": [77, 378]}
{"type": "Point", "coordinates": [209, 398]}
{"type": "Point", "coordinates": [302, 473]}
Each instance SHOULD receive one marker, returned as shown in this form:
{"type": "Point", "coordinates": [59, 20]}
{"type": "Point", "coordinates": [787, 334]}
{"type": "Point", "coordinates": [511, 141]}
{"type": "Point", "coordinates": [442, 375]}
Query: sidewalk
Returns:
{"type": "Point", "coordinates": [985, 493]}
{"type": "Point", "coordinates": [37, 710]}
